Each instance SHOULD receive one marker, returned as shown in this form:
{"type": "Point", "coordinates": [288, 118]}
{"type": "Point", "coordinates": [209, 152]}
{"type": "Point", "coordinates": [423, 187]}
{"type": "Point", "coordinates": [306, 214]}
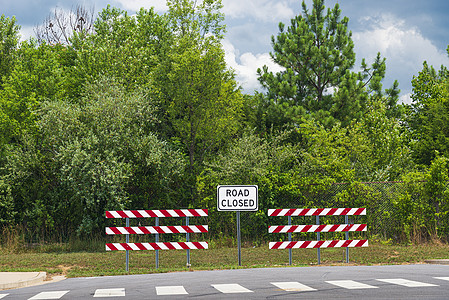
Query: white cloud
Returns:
{"type": "Point", "coordinates": [246, 66]}
{"type": "Point", "coordinates": [406, 99]}
{"type": "Point", "coordinates": [264, 10]}
{"type": "Point", "coordinates": [136, 5]}
{"type": "Point", "coordinates": [26, 32]}
{"type": "Point", "coordinates": [404, 47]}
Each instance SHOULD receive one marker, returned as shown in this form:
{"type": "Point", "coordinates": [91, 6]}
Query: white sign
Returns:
{"type": "Point", "coordinates": [237, 198]}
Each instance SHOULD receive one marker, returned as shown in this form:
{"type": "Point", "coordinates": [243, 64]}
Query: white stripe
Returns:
{"type": "Point", "coordinates": [442, 278]}
{"type": "Point", "coordinates": [137, 230]}
{"type": "Point", "coordinates": [49, 295]}
{"type": "Point", "coordinates": [202, 213]}
{"type": "Point", "coordinates": [326, 211]}
{"type": "Point", "coordinates": [407, 283]}
{"type": "Point", "coordinates": [3, 295]}
{"type": "Point", "coordinates": [163, 246]}
{"type": "Point", "coordinates": [115, 214]}
{"type": "Point", "coordinates": [102, 293]}
{"type": "Point", "coordinates": [133, 246]}
{"type": "Point", "coordinates": [170, 290]}
{"type": "Point", "coordinates": [172, 213]}
{"type": "Point", "coordinates": [311, 212]}
{"type": "Point", "coordinates": [158, 213]}
{"type": "Point", "coordinates": [176, 245]}
{"type": "Point", "coordinates": [338, 212]}
{"type": "Point", "coordinates": [144, 214]}
{"type": "Point", "coordinates": [270, 212]}
{"type": "Point", "coordinates": [352, 211]}
{"type": "Point", "coordinates": [129, 214]}
{"type": "Point", "coordinates": [187, 212]}
{"type": "Point", "coordinates": [231, 288]}
{"type": "Point", "coordinates": [351, 284]}
{"type": "Point", "coordinates": [293, 286]}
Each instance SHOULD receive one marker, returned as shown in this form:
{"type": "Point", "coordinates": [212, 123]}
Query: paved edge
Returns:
{"type": "Point", "coordinates": [39, 278]}
{"type": "Point", "coordinates": [437, 261]}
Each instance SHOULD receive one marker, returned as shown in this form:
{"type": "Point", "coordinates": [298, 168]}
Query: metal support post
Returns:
{"type": "Point", "coordinates": [318, 238]}
{"type": "Point", "coordinates": [188, 240]}
{"type": "Point", "coordinates": [239, 239]}
{"type": "Point", "coordinates": [347, 238]}
{"type": "Point", "coordinates": [290, 239]}
{"type": "Point", "coordinates": [127, 251]}
{"type": "Point", "coordinates": [157, 241]}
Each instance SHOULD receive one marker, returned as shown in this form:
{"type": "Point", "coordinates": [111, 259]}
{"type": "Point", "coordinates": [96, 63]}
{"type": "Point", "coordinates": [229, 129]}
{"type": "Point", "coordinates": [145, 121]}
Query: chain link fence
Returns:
{"type": "Point", "coordinates": [384, 216]}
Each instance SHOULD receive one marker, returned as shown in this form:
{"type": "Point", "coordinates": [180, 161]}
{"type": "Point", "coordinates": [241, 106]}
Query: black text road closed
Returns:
{"type": "Point", "coordinates": [237, 198]}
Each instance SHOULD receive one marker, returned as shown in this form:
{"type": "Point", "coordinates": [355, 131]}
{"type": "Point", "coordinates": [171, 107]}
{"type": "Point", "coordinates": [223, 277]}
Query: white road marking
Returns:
{"type": "Point", "coordinates": [3, 295]}
{"type": "Point", "coordinates": [101, 293]}
{"type": "Point", "coordinates": [442, 278]}
{"type": "Point", "coordinates": [170, 290]}
{"type": "Point", "coordinates": [407, 283]}
{"type": "Point", "coordinates": [232, 288]}
{"type": "Point", "coordinates": [351, 284]}
{"type": "Point", "coordinates": [293, 286]}
{"type": "Point", "coordinates": [49, 295]}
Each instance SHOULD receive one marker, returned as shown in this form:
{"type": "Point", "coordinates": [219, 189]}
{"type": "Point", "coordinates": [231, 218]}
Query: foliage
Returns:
{"type": "Point", "coordinates": [9, 39]}
{"type": "Point", "coordinates": [317, 53]}
{"type": "Point", "coordinates": [428, 115]}
{"type": "Point", "coordinates": [89, 158]}
{"type": "Point", "coordinates": [200, 101]}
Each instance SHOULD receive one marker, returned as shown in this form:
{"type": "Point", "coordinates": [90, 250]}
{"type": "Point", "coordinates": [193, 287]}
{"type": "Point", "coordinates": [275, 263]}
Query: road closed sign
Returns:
{"type": "Point", "coordinates": [237, 198]}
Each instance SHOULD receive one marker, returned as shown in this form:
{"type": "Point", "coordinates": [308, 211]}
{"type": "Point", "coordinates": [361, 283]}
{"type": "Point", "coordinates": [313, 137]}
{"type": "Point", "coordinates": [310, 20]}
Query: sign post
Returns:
{"type": "Point", "coordinates": [238, 198]}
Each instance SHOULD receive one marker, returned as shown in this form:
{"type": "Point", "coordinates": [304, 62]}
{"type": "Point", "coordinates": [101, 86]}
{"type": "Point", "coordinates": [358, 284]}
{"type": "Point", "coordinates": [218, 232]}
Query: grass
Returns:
{"type": "Point", "coordinates": [80, 264]}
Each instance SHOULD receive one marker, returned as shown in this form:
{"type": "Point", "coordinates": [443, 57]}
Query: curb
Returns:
{"type": "Point", "coordinates": [437, 261]}
{"type": "Point", "coordinates": [38, 278]}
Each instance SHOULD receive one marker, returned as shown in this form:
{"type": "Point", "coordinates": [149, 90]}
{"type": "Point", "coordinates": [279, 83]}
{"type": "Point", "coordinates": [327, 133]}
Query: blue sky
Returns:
{"type": "Point", "coordinates": [406, 32]}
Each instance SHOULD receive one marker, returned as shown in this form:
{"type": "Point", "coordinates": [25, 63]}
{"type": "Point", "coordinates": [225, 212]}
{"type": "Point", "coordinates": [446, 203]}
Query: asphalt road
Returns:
{"type": "Point", "coordinates": [341, 282]}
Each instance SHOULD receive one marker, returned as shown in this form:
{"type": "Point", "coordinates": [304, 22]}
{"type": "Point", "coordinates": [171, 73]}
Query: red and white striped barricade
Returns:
{"type": "Point", "coordinates": [184, 229]}
{"type": "Point", "coordinates": [317, 229]}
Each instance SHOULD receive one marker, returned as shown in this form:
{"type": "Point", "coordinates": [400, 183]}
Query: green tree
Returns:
{"type": "Point", "coordinates": [317, 53]}
{"type": "Point", "coordinates": [428, 115]}
{"type": "Point", "coordinates": [122, 46]}
{"type": "Point", "coordinates": [37, 75]}
{"type": "Point", "coordinates": [200, 101]}
{"type": "Point", "coordinates": [9, 40]}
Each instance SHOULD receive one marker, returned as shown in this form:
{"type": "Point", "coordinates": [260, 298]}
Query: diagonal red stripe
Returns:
{"type": "Point", "coordinates": [111, 247]}
{"type": "Point", "coordinates": [318, 212]}
{"type": "Point", "coordinates": [122, 214]}
{"type": "Point", "coordinates": [332, 211]}
{"type": "Point", "coordinates": [183, 245]}
{"type": "Point", "coordinates": [360, 243]}
{"type": "Point", "coordinates": [346, 243]}
{"type": "Point", "coordinates": [345, 211]}
{"type": "Point", "coordinates": [137, 213]}
{"type": "Point", "coordinates": [290, 212]}
{"type": "Point", "coordinates": [318, 244]}
{"type": "Point", "coordinates": [151, 213]}
{"type": "Point", "coordinates": [202, 228]}
{"type": "Point", "coordinates": [306, 228]}
{"type": "Point", "coordinates": [165, 213]}
{"type": "Point", "coordinates": [145, 229]}
{"type": "Point", "coordinates": [359, 211]}
{"type": "Point", "coordinates": [303, 212]}
{"type": "Point", "coordinates": [332, 244]}
{"type": "Point", "coordinates": [109, 215]}
{"type": "Point", "coordinates": [130, 230]}
{"type": "Point", "coordinates": [180, 213]}
{"type": "Point", "coordinates": [174, 230]}
{"type": "Point", "coordinates": [275, 213]}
